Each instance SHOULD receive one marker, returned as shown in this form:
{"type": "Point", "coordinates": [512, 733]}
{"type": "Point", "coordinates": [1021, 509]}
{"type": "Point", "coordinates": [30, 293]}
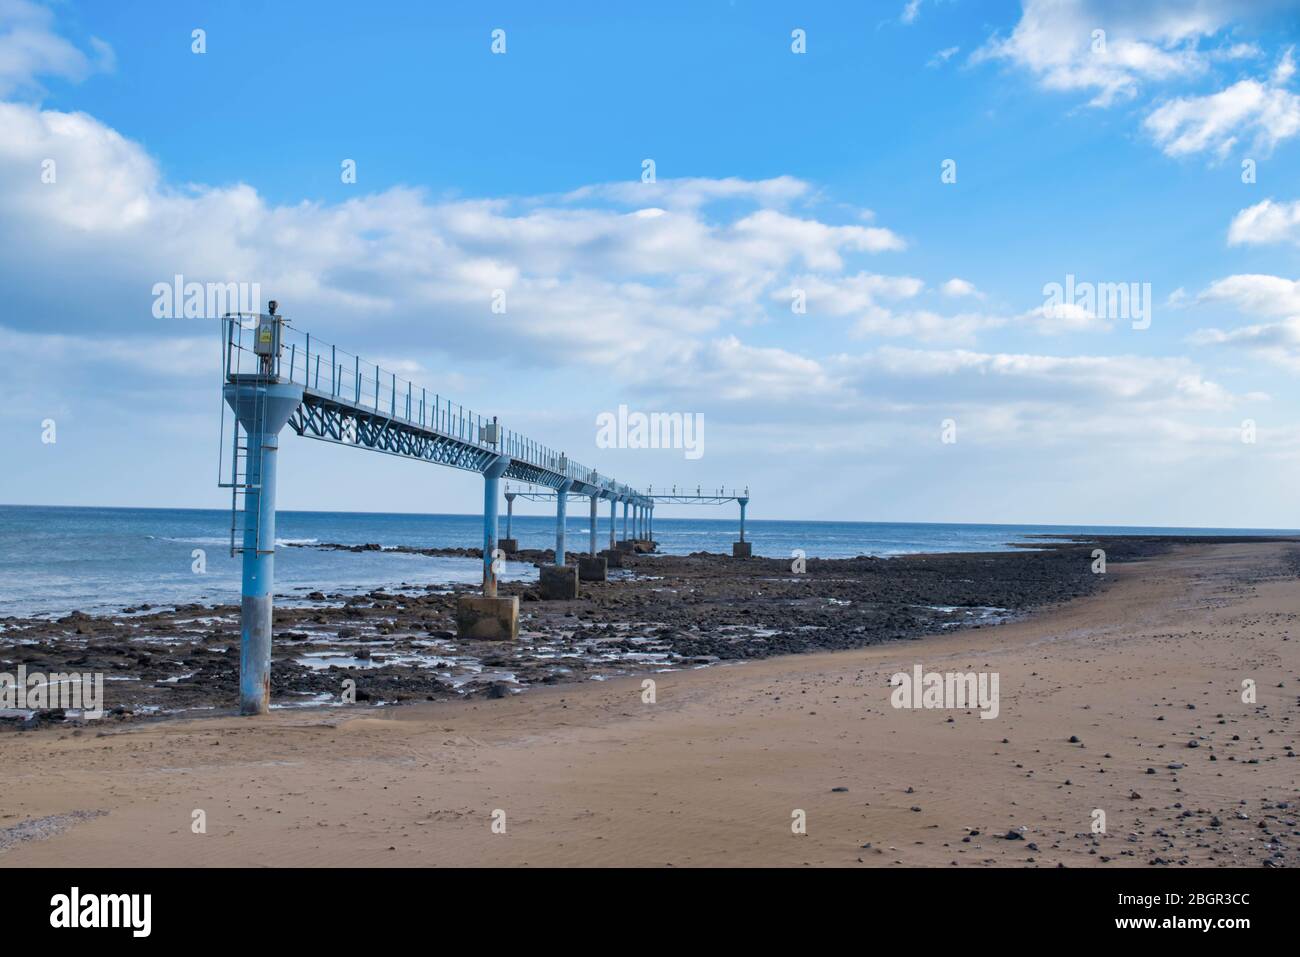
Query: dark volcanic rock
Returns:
{"type": "Point", "coordinates": [658, 611]}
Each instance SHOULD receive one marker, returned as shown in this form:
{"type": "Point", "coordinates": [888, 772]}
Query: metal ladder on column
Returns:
{"type": "Point", "coordinates": [245, 460]}
{"type": "Point", "coordinates": [242, 455]}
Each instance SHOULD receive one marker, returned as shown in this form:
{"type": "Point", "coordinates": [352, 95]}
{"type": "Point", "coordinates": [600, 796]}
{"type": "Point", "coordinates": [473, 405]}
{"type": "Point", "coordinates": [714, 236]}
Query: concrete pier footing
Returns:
{"type": "Point", "coordinates": [592, 568]}
{"type": "Point", "coordinates": [613, 558]}
{"type": "Point", "coordinates": [489, 619]}
{"type": "Point", "coordinates": [558, 582]}
{"type": "Point", "coordinates": [742, 549]}
{"type": "Point", "coordinates": [508, 545]}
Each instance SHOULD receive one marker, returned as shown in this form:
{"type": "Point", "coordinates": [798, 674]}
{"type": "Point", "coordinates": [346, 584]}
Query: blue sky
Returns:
{"type": "Point", "coordinates": [778, 173]}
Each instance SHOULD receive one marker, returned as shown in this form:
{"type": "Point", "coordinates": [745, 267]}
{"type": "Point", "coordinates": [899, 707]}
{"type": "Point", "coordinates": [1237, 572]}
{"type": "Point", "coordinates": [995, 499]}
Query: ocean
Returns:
{"type": "Point", "coordinates": [54, 560]}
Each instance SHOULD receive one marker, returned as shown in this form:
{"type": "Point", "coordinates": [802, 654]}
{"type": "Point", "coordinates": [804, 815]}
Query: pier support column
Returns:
{"type": "Point", "coordinates": [613, 557]}
{"type": "Point", "coordinates": [262, 405]}
{"type": "Point", "coordinates": [489, 617]}
{"type": "Point", "coordinates": [591, 567]}
{"type": "Point", "coordinates": [561, 515]}
{"type": "Point", "coordinates": [509, 544]}
{"type": "Point", "coordinates": [559, 581]}
{"type": "Point", "coordinates": [491, 484]}
{"type": "Point", "coordinates": [624, 544]}
{"type": "Point", "coordinates": [742, 548]}
{"type": "Point", "coordinates": [650, 523]}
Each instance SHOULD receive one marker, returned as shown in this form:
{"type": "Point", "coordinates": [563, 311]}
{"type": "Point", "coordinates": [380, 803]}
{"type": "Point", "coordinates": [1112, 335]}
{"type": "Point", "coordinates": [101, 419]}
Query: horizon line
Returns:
{"type": "Point", "coordinates": [806, 521]}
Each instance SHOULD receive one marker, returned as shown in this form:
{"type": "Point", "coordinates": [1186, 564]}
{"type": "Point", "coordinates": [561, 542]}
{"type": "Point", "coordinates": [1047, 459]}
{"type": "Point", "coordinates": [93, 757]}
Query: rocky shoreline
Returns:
{"type": "Point", "coordinates": [660, 612]}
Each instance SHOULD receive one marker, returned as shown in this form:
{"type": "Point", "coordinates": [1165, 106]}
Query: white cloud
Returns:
{"type": "Point", "coordinates": [1162, 408]}
{"type": "Point", "coordinates": [643, 282]}
{"type": "Point", "coordinates": [1154, 40]}
{"type": "Point", "coordinates": [1266, 112]}
{"type": "Point", "coordinates": [848, 295]}
{"type": "Point", "coordinates": [598, 275]}
{"type": "Point", "coordinates": [29, 48]}
{"type": "Point", "coordinates": [943, 56]}
{"type": "Point", "coordinates": [925, 325]}
{"type": "Point", "coordinates": [1112, 48]}
{"type": "Point", "coordinates": [1010, 399]}
{"type": "Point", "coordinates": [1066, 317]}
{"type": "Point", "coordinates": [726, 370]}
{"type": "Point", "coordinates": [773, 236]}
{"type": "Point", "coordinates": [1266, 222]}
{"type": "Point", "coordinates": [960, 287]}
{"type": "Point", "coordinates": [181, 357]}
{"type": "Point", "coordinates": [1275, 342]}
{"type": "Point", "coordinates": [692, 192]}
{"type": "Point", "coordinates": [870, 299]}
{"type": "Point", "coordinates": [1025, 397]}
{"type": "Point", "coordinates": [1258, 295]}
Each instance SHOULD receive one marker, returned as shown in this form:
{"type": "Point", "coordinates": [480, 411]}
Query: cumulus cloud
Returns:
{"type": "Point", "coordinates": [880, 306]}
{"type": "Point", "coordinates": [1266, 222]}
{"type": "Point", "coordinates": [1256, 294]}
{"type": "Point", "coordinates": [1066, 317]}
{"type": "Point", "coordinates": [847, 295]}
{"type": "Point", "coordinates": [873, 301]}
{"type": "Point", "coordinates": [645, 282]}
{"type": "Point", "coordinates": [1112, 49]}
{"type": "Point", "coordinates": [595, 275]}
{"type": "Point", "coordinates": [960, 287]}
{"type": "Point", "coordinates": [1264, 111]}
{"type": "Point", "coordinates": [1058, 41]}
{"type": "Point", "coordinates": [727, 370]}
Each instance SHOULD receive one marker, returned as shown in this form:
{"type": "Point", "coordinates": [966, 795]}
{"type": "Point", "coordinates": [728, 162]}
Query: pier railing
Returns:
{"type": "Point", "coordinates": [327, 371]}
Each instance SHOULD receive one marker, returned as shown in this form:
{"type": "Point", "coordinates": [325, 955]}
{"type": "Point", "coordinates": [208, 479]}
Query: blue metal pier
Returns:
{"type": "Point", "coordinates": [275, 375]}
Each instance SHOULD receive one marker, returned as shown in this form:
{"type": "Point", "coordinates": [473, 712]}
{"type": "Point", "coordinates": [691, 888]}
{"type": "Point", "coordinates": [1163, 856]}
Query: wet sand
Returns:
{"type": "Point", "coordinates": [587, 773]}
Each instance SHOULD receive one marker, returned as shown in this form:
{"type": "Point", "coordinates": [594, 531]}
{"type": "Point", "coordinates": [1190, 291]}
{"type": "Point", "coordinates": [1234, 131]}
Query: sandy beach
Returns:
{"type": "Point", "coordinates": [1145, 676]}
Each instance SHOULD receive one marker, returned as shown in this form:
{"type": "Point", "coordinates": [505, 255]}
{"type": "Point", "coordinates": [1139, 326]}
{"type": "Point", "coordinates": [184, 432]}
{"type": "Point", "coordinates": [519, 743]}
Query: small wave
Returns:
{"type": "Point", "coordinates": [210, 540]}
